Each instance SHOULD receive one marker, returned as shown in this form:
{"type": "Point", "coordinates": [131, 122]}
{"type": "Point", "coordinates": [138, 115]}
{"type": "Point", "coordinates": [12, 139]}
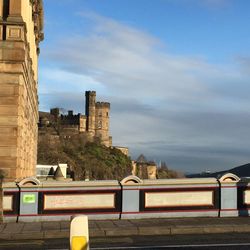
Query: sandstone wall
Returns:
{"type": "Point", "coordinates": [1, 201]}
{"type": "Point", "coordinates": [18, 88]}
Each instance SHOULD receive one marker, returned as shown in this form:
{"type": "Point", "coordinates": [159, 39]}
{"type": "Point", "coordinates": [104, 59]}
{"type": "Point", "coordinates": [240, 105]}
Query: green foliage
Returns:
{"type": "Point", "coordinates": [164, 172]}
{"type": "Point", "coordinates": [1, 175]}
{"type": "Point", "coordinates": [86, 159]}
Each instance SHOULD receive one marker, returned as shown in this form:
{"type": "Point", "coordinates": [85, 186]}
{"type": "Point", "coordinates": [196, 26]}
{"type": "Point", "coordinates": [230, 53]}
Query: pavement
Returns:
{"type": "Point", "coordinates": [118, 228]}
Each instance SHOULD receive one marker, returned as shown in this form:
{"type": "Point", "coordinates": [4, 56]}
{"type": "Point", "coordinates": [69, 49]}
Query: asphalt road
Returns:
{"type": "Point", "coordinates": [209, 241]}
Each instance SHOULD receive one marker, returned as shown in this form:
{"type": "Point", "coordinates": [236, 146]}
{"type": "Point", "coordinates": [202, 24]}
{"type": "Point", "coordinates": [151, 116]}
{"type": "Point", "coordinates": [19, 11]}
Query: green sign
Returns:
{"type": "Point", "coordinates": [29, 198]}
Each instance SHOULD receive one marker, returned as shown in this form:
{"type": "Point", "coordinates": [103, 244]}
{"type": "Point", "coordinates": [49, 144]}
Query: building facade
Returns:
{"type": "Point", "coordinates": [21, 25]}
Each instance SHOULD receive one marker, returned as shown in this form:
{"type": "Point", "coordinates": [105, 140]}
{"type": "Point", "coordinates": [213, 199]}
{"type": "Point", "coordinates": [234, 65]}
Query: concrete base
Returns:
{"type": "Point", "coordinates": [229, 213]}
{"type": "Point", "coordinates": [244, 212]}
{"type": "Point", "coordinates": [39, 218]}
{"type": "Point", "coordinates": [182, 214]}
{"type": "Point", "coordinates": [9, 219]}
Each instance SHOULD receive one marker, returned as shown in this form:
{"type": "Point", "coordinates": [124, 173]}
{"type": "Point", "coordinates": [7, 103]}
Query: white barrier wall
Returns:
{"type": "Point", "coordinates": [31, 200]}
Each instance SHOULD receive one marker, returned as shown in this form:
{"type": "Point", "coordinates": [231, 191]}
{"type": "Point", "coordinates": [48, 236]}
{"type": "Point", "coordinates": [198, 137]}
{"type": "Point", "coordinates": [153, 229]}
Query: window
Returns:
{"type": "Point", "coordinates": [99, 124]}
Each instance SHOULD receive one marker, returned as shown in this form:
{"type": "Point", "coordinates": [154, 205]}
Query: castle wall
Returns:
{"type": "Point", "coordinates": [82, 124]}
{"type": "Point", "coordinates": [18, 88]}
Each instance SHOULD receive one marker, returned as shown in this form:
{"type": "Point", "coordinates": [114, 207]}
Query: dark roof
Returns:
{"type": "Point", "coordinates": [58, 173]}
{"type": "Point", "coordinates": [141, 159]}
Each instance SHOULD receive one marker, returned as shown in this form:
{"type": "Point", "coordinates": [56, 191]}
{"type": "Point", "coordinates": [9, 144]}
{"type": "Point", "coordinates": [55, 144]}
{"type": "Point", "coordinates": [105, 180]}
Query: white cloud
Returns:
{"type": "Point", "coordinates": [214, 4]}
{"type": "Point", "coordinates": [54, 79]}
{"type": "Point", "coordinates": [161, 103]}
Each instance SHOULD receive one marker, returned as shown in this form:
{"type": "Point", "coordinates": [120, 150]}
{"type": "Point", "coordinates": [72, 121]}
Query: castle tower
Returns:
{"type": "Point", "coordinates": [102, 122]}
{"type": "Point", "coordinates": [21, 24]}
{"type": "Point", "coordinates": [90, 111]}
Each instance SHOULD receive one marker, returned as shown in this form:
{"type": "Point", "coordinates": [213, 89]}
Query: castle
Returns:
{"type": "Point", "coordinates": [95, 122]}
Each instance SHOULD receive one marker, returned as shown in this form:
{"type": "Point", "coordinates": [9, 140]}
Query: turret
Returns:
{"type": "Point", "coordinates": [102, 110]}
{"type": "Point", "coordinates": [90, 111]}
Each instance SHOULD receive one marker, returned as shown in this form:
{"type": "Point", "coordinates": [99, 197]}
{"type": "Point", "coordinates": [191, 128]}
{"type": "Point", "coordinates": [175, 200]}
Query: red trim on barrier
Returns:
{"type": "Point", "coordinates": [27, 215]}
{"type": "Point", "coordinates": [133, 189]}
{"type": "Point", "coordinates": [6, 192]}
{"type": "Point", "coordinates": [145, 212]}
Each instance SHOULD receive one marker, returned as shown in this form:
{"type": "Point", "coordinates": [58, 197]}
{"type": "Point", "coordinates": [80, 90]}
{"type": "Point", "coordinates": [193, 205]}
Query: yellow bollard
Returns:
{"type": "Point", "coordinates": [79, 233]}
{"type": "Point", "coordinates": [79, 243]}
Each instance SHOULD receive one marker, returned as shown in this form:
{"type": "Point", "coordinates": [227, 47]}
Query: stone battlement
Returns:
{"type": "Point", "coordinates": [102, 105]}
{"type": "Point", "coordinates": [93, 93]}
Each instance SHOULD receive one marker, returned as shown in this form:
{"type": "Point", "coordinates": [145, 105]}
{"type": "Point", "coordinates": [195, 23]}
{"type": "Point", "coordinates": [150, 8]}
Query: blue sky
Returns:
{"type": "Point", "coordinates": [175, 71]}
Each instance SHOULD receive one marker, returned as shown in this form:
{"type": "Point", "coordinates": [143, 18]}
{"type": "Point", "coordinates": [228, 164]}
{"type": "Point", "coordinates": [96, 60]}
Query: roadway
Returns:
{"type": "Point", "coordinates": [231, 241]}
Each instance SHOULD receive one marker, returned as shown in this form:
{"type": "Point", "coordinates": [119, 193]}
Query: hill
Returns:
{"type": "Point", "coordinates": [87, 160]}
{"type": "Point", "coordinates": [241, 171]}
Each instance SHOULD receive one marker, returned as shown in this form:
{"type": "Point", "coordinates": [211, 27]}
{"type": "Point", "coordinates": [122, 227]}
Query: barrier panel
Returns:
{"type": "Point", "coordinates": [11, 201]}
{"type": "Point", "coordinates": [170, 198]}
{"type": "Point", "coordinates": [243, 195]}
{"type": "Point", "coordinates": [97, 199]}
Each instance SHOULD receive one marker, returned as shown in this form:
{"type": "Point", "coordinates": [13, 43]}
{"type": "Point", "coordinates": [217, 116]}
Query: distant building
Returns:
{"type": "Point", "coordinates": [124, 150]}
{"type": "Point", "coordinates": [95, 122]}
{"type": "Point", "coordinates": [144, 169]}
{"type": "Point", "coordinates": [52, 172]}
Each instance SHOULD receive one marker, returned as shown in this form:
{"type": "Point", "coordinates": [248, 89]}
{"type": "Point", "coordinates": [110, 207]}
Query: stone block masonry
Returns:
{"type": "Point", "coordinates": [21, 24]}
{"type": "Point", "coordinates": [1, 200]}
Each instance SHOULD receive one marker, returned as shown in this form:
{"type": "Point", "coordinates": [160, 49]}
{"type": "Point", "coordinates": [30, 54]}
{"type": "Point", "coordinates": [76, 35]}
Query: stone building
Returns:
{"type": "Point", "coordinates": [95, 122]}
{"type": "Point", "coordinates": [21, 25]}
{"type": "Point", "coordinates": [144, 169]}
{"type": "Point", "coordinates": [97, 118]}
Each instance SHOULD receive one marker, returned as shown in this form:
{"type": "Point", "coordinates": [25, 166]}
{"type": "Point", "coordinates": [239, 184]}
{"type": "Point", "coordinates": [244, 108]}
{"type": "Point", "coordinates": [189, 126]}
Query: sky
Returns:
{"type": "Point", "coordinates": [176, 73]}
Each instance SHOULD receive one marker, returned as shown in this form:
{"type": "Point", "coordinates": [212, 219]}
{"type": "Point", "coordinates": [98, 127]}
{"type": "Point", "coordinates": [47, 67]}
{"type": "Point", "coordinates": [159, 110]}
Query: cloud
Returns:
{"type": "Point", "coordinates": [244, 62]}
{"type": "Point", "coordinates": [180, 109]}
{"type": "Point", "coordinates": [123, 58]}
{"type": "Point", "coordinates": [215, 3]}
{"type": "Point", "coordinates": [212, 4]}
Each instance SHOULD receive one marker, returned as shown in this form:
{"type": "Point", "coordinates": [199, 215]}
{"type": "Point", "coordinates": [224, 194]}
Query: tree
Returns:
{"type": "Point", "coordinates": [165, 173]}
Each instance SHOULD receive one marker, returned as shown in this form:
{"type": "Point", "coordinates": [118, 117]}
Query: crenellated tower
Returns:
{"type": "Point", "coordinates": [102, 122]}
{"type": "Point", "coordinates": [90, 111]}
{"type": "Point", "coordinates": [97, 115]}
